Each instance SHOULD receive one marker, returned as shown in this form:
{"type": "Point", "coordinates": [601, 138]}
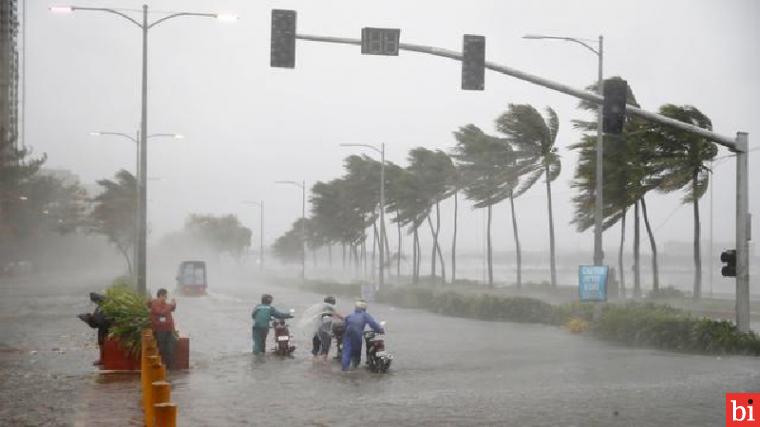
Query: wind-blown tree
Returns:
{"type": "Point", "coordinates": [535, 137]}
{"type": "Point", "coordinates": [289, 246]}
{"type": "Point", "coordinates": [631, 169]}
{"type": "Point", "coordinates": [114, 213]}
{"type": "Point", "coordinates": [684, 158]}
{"type": "Point", "coordinates": [433, 171]}
{"type": "Point", "coordinates": [394, 193]}
{"type": "Point", "coordinates": [223, 234]}
{"type": "Point", "coordinates": [486, 173]}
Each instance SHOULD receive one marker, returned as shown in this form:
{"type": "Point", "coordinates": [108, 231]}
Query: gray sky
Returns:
{"type": "Point", "coordinates": [247, 125]}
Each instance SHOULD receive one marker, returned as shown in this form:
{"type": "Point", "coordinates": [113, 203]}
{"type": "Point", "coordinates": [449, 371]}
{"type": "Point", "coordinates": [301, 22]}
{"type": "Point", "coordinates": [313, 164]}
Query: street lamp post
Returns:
{"type": "Point", "coordinates": [302, 186]}
{"type": "Point", "coordinates": [142, 187]}
{"type": "Point", "coordinates": [599, 198]}
{"type": "Point", "coordinates": [380, 151]}
{"type": "Point", "coordinates": [261, 237]}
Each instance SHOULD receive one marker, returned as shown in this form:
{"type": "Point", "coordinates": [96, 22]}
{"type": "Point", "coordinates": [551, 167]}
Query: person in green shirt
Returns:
{"type": "Point", "coordinates": [262, 315]}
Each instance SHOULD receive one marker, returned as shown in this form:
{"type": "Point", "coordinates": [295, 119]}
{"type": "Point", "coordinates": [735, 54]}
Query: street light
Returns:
{"type": "Point", "coordinates": [142, 191]}
{"type": "Point", "coordinates": [261, 238]}
{"type": "Point", "coordinates": [380, 151]}
{"type": "Point", "coordinates": [599, 52]}
{"type": "Point", "coordinates": [302, 186]}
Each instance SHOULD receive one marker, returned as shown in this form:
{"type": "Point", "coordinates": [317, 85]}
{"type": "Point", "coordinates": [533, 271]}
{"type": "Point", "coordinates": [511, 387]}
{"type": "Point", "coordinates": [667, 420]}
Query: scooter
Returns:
{"type": "Point", "coordinates": [378, 360]}
{"type": "Point", "coordinates": [282, 337]}
{"type": "Point", "coordinates": [338, 330]}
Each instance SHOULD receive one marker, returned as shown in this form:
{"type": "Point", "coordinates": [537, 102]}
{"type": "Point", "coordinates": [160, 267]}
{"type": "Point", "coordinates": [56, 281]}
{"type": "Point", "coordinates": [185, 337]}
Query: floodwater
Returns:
{"type": "Point", "coordinates": [447, 371]}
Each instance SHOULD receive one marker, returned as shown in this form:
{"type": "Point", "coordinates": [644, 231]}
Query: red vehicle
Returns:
{"type": "Point", "coordinates": [191, 278]}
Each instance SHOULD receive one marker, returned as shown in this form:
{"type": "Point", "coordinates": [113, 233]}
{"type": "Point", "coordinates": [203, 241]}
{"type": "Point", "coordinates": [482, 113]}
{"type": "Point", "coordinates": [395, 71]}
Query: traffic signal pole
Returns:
{"type": "Point", "coordinates": [739, 145]}
{"type": "Point", "coordinates": [742, 233]}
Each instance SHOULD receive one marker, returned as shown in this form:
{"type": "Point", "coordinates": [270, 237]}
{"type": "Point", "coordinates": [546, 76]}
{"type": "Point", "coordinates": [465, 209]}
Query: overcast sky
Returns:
{"type": "Point", "coordinates": [248, 125]}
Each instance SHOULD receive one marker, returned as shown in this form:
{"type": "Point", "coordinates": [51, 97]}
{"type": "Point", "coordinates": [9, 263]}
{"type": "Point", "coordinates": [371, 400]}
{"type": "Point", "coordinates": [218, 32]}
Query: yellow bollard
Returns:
{"type": "Point", "coordinates": [161, 391]}
{"type": "Point", "coordinates": [166, 414]}
{"type": "Point", "coordinates": [156, 372]}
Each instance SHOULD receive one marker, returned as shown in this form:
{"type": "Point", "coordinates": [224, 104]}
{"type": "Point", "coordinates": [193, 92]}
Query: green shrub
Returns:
{"type": "Point", "coordinates": [665, 293]}
{"type": "Point", "coordinates": [128, 313]}
{"type": "Point", "coordinates": [333, 288]}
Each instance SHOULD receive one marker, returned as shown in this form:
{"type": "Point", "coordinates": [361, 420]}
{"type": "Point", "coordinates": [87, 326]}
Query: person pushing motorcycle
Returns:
{"type": "Point", "coordinates": [261, 315]}
{"type": "Point", "coordinates": [352, 341]}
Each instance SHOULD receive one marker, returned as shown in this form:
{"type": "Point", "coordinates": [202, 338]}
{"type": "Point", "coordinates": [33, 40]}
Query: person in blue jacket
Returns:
{"type": "Point", "coordinates": [352, 341]}
{"type": "Point", "coordinates": [261, 315]}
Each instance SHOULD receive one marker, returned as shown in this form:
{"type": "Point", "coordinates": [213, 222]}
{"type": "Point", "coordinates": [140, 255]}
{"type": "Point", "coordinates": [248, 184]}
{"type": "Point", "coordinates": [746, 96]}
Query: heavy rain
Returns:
{"type": "Point", "coordinates": [231, 213]}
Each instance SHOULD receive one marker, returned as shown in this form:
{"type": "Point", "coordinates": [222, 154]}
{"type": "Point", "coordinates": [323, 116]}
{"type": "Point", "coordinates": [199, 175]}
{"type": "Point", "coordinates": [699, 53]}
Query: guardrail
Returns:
{"type": "Point", "coordinates": [156, 392]}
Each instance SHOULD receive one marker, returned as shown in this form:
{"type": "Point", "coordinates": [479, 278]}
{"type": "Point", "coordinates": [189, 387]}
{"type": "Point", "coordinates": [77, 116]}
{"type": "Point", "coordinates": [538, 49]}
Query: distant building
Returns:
{"type": "Point", "coordinates": [9, 66]}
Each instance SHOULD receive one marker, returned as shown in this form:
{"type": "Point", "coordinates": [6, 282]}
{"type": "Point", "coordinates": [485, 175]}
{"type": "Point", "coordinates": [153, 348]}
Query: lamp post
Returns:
{"type": "Point", "coordinates": [144, 26]}
{"type": "Point", "coordinates": [302, 186]}
{"type": "Point", "coordinates": [261, 237]}
{"type": "Point", "coordinates": [381, 151]}
{"type": "Point", "coordinates": [599, 199]}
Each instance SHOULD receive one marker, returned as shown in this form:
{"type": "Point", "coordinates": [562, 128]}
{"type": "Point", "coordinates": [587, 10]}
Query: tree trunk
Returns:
{"type": "Point", "coordinates": [415, 256]}
{"type": "Point", "coordinates": [375, 241]}
{"type": "Point", "coordinates": [419, 255]}
{"type": "Point", "coordinates": [437, 244]}
{"type": "Point", "coordinates": [343, 246]}
{"type": "Point", "coordinates": [518, 253]}
{"type": "Point", "coordinates": [489, 258]}
{"type": "Point", "coordinates": [621, 268]}
{"type": "Point", "coordinates": [364, 256]}
{"type": "Point", "coordinates": [434, 253]}
{"type": "Point", "coordinates": [125, 252]}
{"type": "Point", "coordinates": [387, 253]}
{"type": "Point", "coordinates": [329, 254]}
{"type": "Point", "coordinates": [454, 242]}
{"type": "Point", "coordinates": [636, 253]}
{"type": "Point", "coordinates": [398, 259]}
{"type": "Point", "coordinates": [697, 248]}
{"type": "Point", "coordinates": [552, 253]}
{"type": "Point", "coordinates": [653, 246]}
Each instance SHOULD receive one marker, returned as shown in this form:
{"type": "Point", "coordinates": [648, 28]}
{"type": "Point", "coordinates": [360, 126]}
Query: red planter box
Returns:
{"type": "Point", "coordinates": [182, 353]}
{"type": "Point", "coordinates": [115, 358]}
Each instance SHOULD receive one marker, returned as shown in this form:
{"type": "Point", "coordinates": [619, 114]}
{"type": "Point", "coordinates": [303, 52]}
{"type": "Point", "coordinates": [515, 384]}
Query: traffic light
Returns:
{"type": "Point", "coordinates": [613, 111]}
{"type": "Point", "coordinates": [729, 257]}
{"type": "Point", "coordinates": [283, 42]}
{"type": "Point", "coordinates": [473, 62]}
{"type": "Point", "coordinates": [380, 41]}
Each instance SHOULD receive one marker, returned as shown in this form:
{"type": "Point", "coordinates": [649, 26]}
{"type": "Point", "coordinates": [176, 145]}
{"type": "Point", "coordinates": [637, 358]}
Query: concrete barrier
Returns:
{"type": "Point", "coordinates": [156, 392]}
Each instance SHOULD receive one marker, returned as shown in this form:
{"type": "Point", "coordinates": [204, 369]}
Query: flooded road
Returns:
{"type": "Point", "coordinates": [447, 371]}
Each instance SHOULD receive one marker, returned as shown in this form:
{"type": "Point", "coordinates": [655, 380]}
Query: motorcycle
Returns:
{"type": "Point", "coordinates": [282, 337]}
{"type": "Point", "coordinates": [377, 360]}
{"type": "Point", "coordinates": [338, 330]}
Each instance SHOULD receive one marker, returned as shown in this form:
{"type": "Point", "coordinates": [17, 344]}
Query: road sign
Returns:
{"type": "Point", "coordinates": [592, 282]}
{"type": "Point", "coordinates": [380, 41]}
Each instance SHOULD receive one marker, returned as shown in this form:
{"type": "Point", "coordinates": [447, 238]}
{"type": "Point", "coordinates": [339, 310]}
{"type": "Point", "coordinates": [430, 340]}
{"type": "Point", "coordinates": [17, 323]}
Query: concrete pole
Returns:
{"type": "Point", "coordinates": [303, 231]}
{"type": "Point", "coordinates": [143, 182]}
{"type": "Point", "coordinates": [261, 239]}
{"type": "Point", "coordinates": [742, 233]}
{"type": "Point", "coordinates": [599, 203]}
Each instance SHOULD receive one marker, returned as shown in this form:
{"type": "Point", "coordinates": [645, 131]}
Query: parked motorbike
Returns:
{"type": "Point", "coordinates": [282, 337]}
{"type": "Point", "coordinates": [378, 360]}
{"type": "Point", "coordinates": [338, 330]}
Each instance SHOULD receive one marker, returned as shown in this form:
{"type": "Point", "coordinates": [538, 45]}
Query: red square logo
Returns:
{"type": "Point", "coordinates": [742, 409]}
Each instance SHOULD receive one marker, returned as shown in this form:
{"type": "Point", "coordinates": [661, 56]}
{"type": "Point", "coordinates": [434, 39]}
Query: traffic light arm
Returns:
{"type": "Point", "coordinates": [727, 142]}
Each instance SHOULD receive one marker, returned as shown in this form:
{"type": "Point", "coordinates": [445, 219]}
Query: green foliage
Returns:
{"type": "Point", "coordinates": [128, 313]}
{"type": "Point", "coordinates": [665, 293]}
{"type": "Point", "coordinates": [114, 214]}
{"type": "Point", "coordinates": [353, 290]}
{"type": "Point", "coordinates": [223, 234]}
{"type": "Point", "coordinates": [636, 324]}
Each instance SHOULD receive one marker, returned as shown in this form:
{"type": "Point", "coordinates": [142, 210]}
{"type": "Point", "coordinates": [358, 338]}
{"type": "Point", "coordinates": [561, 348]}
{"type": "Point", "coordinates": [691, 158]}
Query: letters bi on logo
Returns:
{"type": "Point", "coordinates": [741, 411]}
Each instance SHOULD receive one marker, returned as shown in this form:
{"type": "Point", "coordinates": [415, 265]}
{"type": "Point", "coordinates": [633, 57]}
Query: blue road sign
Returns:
{"type": "Point", "coordinates": [592, 282]}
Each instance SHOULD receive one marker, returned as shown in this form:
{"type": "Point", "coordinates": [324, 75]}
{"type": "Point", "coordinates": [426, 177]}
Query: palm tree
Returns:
{"type": "Point", "coordinates": [485, 164]}
{"type": "Point", "coordinates": [631, 169]}
{"type": "Point", "coordinates": [535, 137]}
{"type": "Point", "coordinates": [684, 158]}
{"type": "Point", "coordinates": [114, 213]}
